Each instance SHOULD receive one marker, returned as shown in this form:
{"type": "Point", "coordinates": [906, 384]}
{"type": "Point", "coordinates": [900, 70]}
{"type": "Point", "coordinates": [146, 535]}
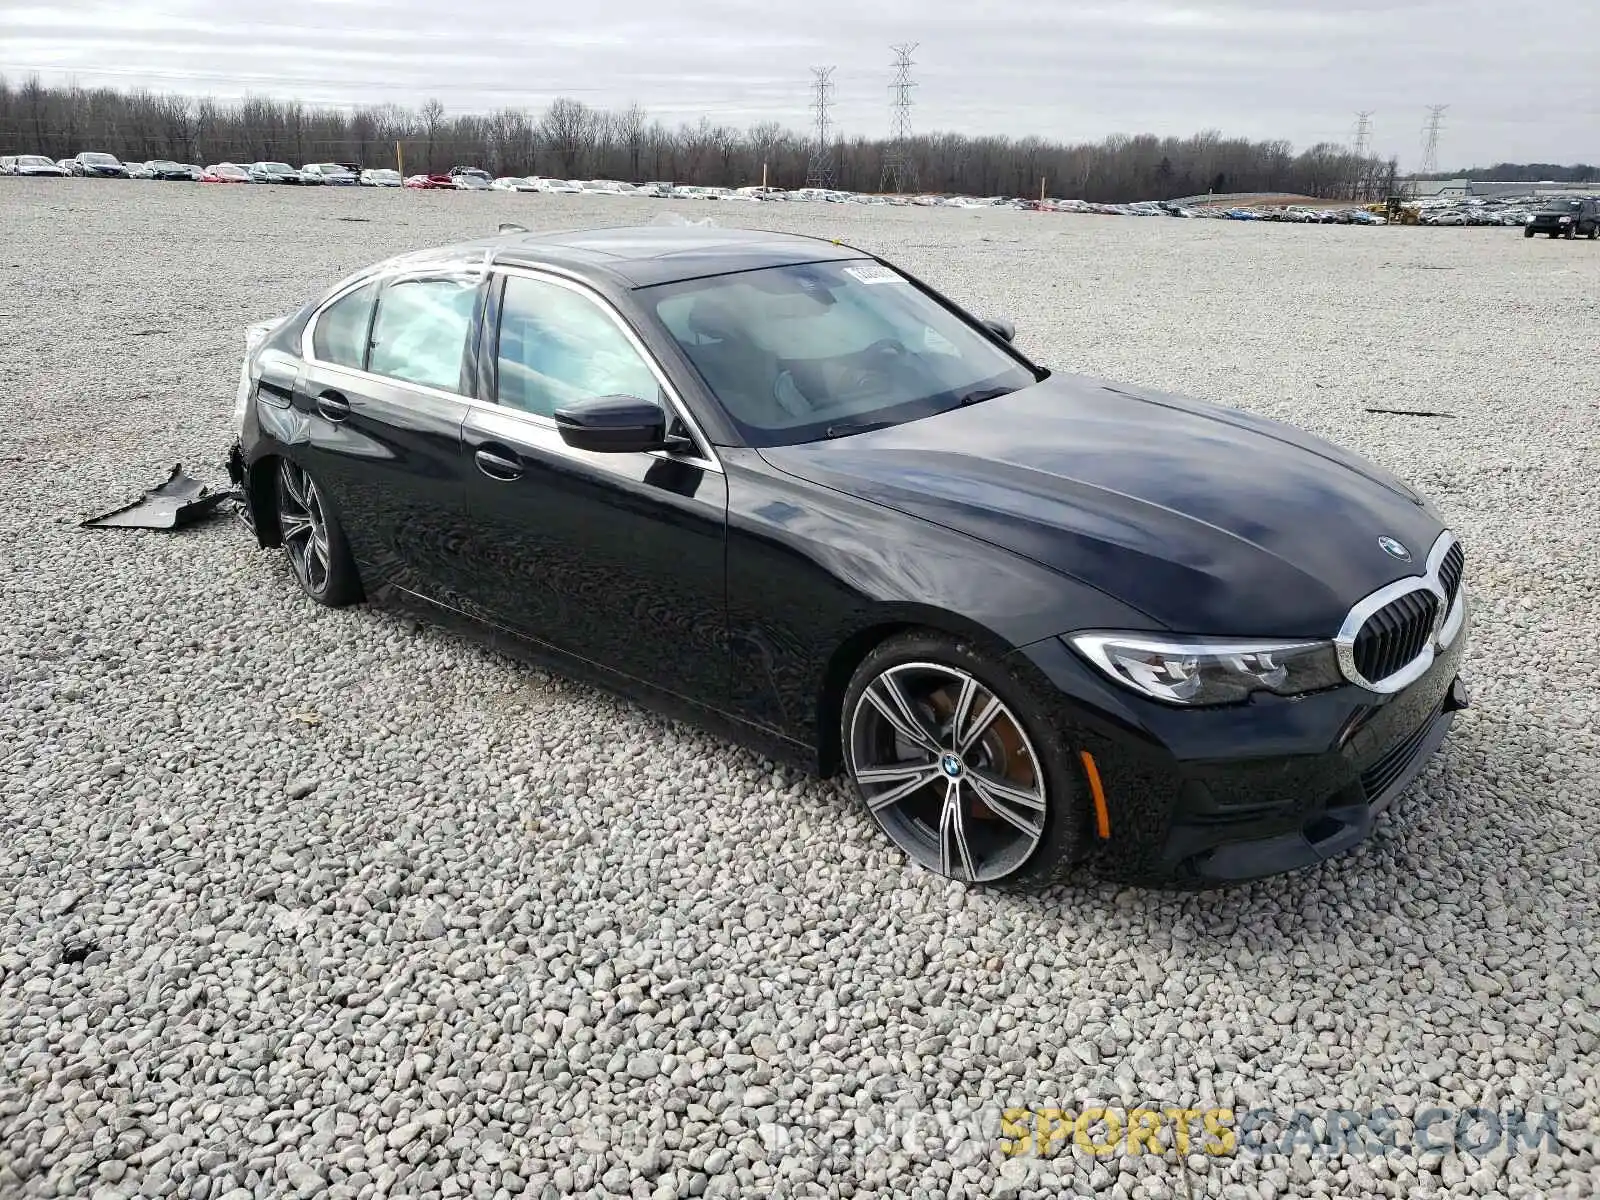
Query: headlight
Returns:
{"type": "Point", "coordinates": [1566, 221]}
{"type": "Point", "coordinates": [1208, 671]}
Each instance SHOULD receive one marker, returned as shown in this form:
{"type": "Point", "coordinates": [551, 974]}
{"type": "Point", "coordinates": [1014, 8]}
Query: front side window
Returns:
{"type": "Point", "coordinates": [557, 346]}
{"type": "Point", "coordinates": [797, 353]}
{"type": "Point", "coordinates": [340, 336]}
{"type": "Point", "coordinates": [420, 331]}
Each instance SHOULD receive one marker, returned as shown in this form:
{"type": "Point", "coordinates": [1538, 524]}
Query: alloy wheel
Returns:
{"type": "Point", "coordinates": [304, 527]}
{"type": "Point", "coordinates": [948, 771]}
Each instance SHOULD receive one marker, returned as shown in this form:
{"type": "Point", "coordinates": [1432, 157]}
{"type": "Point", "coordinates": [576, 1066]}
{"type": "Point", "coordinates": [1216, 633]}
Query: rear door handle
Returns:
{"type": "Point", "coordinates": [333, 405]}
{"type": "Point", "coordinates": [497, 465]}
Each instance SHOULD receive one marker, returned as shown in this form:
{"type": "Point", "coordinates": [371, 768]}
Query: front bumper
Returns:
{"type": "Point", "coordinates": [1222, 795]}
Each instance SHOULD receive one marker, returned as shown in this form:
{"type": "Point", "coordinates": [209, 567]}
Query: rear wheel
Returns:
{"type": "Point", "coordinates": [313, 540]}
{"type": "Point", "coordinates": [953, 757]}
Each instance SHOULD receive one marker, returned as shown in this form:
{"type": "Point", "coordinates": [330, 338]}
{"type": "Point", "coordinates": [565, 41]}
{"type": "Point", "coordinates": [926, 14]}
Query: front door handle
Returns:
{"type": "Point", "coordinates": [497, 465]}
{"type": "Point", "coordinates": [333, 405]}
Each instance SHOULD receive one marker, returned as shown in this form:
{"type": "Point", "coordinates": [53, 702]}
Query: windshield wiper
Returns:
{"type": "Point", "coordinates": [978, 395]}
{"type": "Point", "coordinates": [849, 427]}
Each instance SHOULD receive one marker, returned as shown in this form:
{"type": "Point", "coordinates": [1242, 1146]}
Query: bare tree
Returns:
{"type": "Point", "coordinates": [432, 117]}
{"type": "Point", "coordinates": [630, 132]}
{"type": "Point", "coordinates": [569, 128]}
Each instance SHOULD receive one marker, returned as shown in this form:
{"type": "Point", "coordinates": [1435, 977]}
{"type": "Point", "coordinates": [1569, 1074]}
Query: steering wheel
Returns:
{"type": "Point", "coordinates": [887, 345]}
{"type": "Point", "coordinates": [862, 376]}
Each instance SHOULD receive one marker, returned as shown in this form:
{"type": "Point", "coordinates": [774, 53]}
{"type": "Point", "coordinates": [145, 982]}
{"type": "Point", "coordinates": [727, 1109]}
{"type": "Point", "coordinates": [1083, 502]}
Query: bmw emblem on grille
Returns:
{"type": "Point", "coordinates": [1394, 549]}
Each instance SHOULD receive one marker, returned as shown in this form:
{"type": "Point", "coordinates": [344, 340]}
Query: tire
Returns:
{"type": "Point", "coordinates": [319, 557]}
{"type": "Point", "coordinates": [1527, 233]}
{"type": "Point", "coordinates": [1571, 233]}
{"type": "Point", "coordinates": [1594, 231]}
{"type": "Point", "coordinates": [956, 822]}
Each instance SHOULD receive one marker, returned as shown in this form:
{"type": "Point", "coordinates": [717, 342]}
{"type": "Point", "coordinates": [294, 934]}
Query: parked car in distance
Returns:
{"type": "Point", "coordinates": [431, 182]}
{"type": "Point", "coordinates": [30, 164]}
{"type": "Point", "coordinates": [471, 181]}
{"type": "Point", "coordinates": [1565, 219]}
{"type": "Point", "coordinates": [273, 172]}
{"type": "Point", "coordinates": [332, 174]}
{"type": "Point", "coordinates": [166, 169]}
{"type": "Point", "coordinates": [659, 189]}
{"type": "Point", "coordinates": [876, 538]}
{"type": "Point", "coordinates": [380, 177]}
{"type": "Point", "coordinates": [225, 173]}
{"type": "Point", "coordinates": [459, 172]}
{"type": "Point", "coordinates": [99, 165]}
{"type": "Point", "coordinates": [609, 187]}
{"type": "Point", "coordinates": [563, 187]}
{"type": "Point", "coordinates": [139, 170]}
{"type": "Point", "coordinates": [513, 183]}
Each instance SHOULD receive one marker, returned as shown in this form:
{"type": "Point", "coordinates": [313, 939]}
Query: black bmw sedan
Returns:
{"type": "Point", "coordinates": [777, 485]}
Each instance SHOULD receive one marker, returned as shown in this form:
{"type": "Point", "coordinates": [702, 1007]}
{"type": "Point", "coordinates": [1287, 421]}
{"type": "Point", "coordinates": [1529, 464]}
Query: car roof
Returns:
{"type": "Point", "coordinates": [646, 255]}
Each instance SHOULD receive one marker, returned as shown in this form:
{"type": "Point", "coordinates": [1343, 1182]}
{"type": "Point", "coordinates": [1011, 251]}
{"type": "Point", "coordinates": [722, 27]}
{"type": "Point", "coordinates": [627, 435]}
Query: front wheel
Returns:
{"type": "Point", "coordinates": [1527, 233]}
{"type": "Point", "coordinates": [312, 539]}
{"type": "Point", "coordinates": [953, 756]}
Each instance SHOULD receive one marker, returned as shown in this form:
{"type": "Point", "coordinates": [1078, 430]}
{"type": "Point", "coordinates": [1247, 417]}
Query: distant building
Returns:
{"type": "Point", "coordinates": [1422, 188]}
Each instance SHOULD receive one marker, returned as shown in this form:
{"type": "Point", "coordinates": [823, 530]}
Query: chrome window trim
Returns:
{"type": "Point", "coordinates": [1447, 621]}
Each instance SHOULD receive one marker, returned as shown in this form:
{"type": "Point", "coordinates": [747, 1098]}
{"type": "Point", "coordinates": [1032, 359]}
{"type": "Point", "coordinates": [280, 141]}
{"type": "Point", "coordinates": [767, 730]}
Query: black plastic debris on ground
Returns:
{"type": "Point", "coordinates": [181, 500]}
{"type": "Point", "coordinates": [1411, 412]}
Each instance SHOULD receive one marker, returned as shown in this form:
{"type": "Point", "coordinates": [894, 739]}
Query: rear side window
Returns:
{"type": "Point", "coordinates": [420, 332]}
{"type": "Point", "coordinates": [341, 333]}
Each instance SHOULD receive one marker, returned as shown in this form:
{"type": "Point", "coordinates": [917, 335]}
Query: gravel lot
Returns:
{"type": "Point", "coordinates": [299, 902]}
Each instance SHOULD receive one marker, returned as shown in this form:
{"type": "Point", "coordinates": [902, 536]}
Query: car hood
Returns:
{"type": "Point", "coordinates": [1207, 519]}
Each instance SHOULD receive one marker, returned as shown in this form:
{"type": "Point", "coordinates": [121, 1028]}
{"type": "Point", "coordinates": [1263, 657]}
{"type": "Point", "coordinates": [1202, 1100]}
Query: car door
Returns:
{"type": "Point", "coordinates": [386, 386]}
{"type": "Point", "coordinates": [617, 558]}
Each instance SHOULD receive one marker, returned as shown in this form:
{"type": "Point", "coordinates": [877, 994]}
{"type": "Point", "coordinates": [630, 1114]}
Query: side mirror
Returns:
{"type": "Point", "coordinates": [613, 425]}
{"type": "Point", "coordinates": [1001, 328]}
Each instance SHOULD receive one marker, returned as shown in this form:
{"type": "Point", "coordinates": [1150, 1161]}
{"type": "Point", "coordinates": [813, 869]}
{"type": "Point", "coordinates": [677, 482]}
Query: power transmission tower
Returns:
{"type": "Point", "coordinates": [1361, 149]}
{"type": "Point", "coordinates": [899, 168]}
{"type": "Point", "coordinates": [819, 169]}
{"type": "Point", "coordinates": [1363, 144]}
{"type": "Point", "coordinates": [1430, 139]}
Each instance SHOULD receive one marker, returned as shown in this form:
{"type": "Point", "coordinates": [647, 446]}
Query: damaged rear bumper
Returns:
{"type": "Point", "coordinates": [239, 474]}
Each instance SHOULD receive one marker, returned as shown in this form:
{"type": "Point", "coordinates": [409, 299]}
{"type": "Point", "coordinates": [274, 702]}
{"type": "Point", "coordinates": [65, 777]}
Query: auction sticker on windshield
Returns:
{"type": "Point", "coordinates": [873, 273]}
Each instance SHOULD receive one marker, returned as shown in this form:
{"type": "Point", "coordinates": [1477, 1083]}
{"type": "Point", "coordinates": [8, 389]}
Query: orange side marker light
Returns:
{"type": "Point", "coordinates": [1102, 817]}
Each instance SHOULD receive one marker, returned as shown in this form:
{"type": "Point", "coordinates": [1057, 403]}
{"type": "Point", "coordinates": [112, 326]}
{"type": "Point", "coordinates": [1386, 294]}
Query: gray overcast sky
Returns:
{"type": "Point", "coordinates": [1518, 89]}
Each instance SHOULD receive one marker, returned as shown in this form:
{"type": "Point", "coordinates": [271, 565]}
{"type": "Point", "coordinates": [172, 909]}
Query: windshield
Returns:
{"type": "Point", "coordinates": [798, 353]}
{"type": "Point", "coordinates": [277, 168]}
{"type": "Point", "coordinates": [34, 160]}
{"type": "Point", "coordinates": [99, 158]}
